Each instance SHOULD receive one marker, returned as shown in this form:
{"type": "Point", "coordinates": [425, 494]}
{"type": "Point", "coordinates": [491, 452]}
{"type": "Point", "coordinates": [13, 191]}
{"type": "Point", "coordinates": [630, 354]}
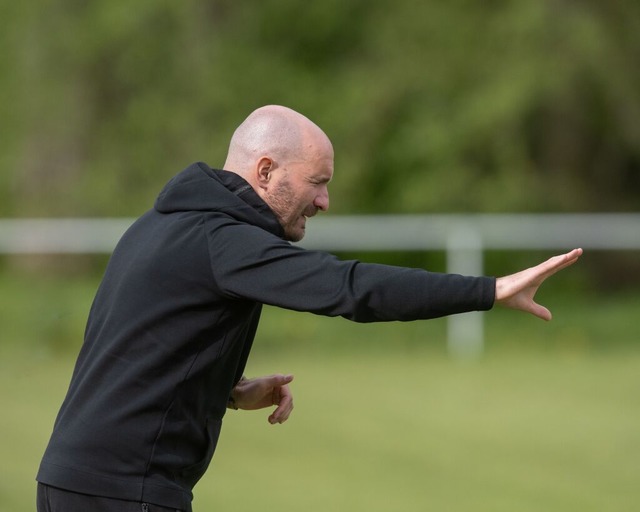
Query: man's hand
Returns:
{"type": "Point", "coordinates": [518, 290]}
{"type": "Point", "coordinates": [262, 392]}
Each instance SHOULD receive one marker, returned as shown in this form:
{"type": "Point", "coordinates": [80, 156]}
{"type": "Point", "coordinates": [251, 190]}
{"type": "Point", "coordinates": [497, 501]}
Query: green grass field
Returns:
{"type": "Point", "coordinates": [547, 420]}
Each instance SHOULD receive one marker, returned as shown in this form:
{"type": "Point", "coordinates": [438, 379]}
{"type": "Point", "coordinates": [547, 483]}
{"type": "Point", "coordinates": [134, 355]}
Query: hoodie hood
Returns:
{"type": "Point", "coordinates": [201, 188]}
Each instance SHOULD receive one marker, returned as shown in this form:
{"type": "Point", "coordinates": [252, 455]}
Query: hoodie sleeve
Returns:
{"type": "Point", "coordinates": [250, 263]}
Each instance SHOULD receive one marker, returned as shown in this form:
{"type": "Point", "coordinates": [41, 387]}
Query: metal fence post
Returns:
{"type": "Point", "coordinates": [465, 332]}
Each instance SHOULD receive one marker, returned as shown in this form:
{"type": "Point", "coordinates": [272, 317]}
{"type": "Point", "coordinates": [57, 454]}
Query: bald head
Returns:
{"type": "Point", "coordinates": [279, 133]}
{"type": "Point", "coordinates": [288, 161]}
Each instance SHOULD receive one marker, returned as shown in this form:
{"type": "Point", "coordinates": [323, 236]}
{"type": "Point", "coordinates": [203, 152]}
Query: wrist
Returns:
{"type": "Point", "coordinates": [231, 401]}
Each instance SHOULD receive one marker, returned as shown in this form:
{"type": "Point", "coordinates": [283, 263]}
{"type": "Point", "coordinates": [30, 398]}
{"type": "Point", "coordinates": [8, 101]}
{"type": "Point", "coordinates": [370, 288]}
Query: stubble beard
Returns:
{"type": "Point", "coordinates": [282, 203]}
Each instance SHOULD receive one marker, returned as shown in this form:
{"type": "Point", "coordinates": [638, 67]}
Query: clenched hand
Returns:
{"type": "Point", "coordinates": [263, 392]}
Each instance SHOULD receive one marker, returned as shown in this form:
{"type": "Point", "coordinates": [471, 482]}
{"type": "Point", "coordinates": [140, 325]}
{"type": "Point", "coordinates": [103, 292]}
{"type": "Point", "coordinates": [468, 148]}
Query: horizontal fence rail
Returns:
{"type": "Point", "coordinates": [463, 237]}
{"type": "Point", "coordinates": [495, 231]}
{"type": "Point", "coordinates": [607, 231]}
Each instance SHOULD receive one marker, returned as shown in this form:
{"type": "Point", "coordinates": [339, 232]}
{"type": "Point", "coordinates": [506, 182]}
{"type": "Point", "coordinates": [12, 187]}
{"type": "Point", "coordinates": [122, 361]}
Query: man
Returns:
{"type": "Point", "coordinates": [173, 321]}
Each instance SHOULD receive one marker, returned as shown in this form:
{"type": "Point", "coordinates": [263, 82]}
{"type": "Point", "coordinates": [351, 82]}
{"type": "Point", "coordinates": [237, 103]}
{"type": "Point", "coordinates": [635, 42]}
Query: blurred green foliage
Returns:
{"type": "Point", "coordinates": [522, 105]}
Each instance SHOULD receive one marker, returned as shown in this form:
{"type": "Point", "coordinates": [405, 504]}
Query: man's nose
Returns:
{"type": "Point", "coordinates": [322, 200]}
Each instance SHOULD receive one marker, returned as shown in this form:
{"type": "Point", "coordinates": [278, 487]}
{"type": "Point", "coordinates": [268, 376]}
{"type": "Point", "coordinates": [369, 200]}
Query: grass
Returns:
{"type": "Point", "coordinates": [548, 419]}
{"type": "Point", "coordinates": [398, 431]}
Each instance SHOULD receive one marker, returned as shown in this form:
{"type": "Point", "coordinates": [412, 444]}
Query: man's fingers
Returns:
{"type": "Point", "coordinates": [557, 263]}
{"type": "Point", "coordinates": [550, 267]}
{"type": "Point", "coordinates": [277, 379]}
{"type": "Point", "coordinates": [261, 392]}
{"type": "Point", "coordinates": [285, 406]}
{"type": "Point", "coordinates": [280, 396]}
{"type": "Point", "coordinates": [517, 291]}
{"type": "Point", "coordinates": [271, 383]}
{"type": "Point", "coordinates": [286, 379]}
{"type": "Point", "coordinates": [541, 312]}
{"type": "Point", "coordinates": [280, 415]}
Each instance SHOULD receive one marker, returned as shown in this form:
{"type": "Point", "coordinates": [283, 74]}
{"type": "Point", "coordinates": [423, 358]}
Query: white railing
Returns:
{"type": "Point", "coordinates": [463, 237]}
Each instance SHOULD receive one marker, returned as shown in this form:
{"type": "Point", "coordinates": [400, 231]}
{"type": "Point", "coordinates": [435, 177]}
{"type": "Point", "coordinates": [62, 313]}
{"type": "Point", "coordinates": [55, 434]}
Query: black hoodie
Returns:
{"type": "Point", "coordinates": [172, 325]}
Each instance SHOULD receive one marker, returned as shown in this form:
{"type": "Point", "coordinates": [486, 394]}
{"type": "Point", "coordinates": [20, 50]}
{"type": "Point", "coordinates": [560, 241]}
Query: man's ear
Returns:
{"type": "Point", "coordinates": [264, 168]}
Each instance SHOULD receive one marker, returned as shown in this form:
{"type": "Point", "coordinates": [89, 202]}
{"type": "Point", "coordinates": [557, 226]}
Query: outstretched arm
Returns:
{"type": "Point", "coordinates": [517, 291]}
{"type": "Point", "coordinates": [263, 392]}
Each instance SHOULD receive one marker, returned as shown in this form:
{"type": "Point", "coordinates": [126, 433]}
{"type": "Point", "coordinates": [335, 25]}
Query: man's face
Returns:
{"type": "Point", "coordinates": [298, 192]}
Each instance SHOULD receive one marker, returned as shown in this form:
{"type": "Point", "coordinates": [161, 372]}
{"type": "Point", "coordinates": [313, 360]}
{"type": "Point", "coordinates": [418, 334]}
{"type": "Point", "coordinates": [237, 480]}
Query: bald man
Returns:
{"type": "Point", "coordinates": [172, 324]}
{"type": "Point", "coordinates": [290, 171]}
